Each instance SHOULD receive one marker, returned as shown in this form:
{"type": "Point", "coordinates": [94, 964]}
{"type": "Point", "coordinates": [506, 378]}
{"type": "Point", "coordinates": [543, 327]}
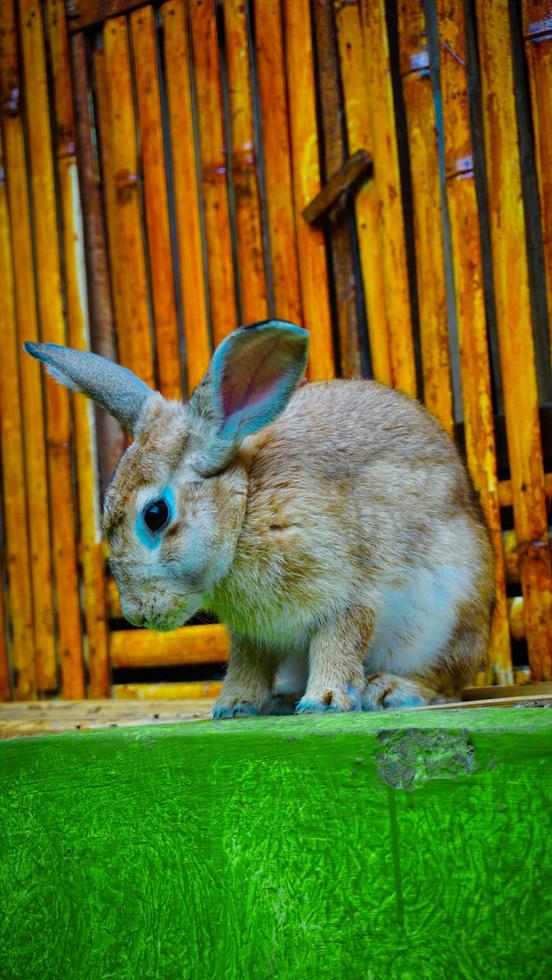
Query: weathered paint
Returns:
{"type": "Point", "coordinates": [398, 845]}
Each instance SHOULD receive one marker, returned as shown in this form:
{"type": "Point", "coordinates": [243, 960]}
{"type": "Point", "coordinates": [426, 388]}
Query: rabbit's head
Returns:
{"type": "Point", "coordinates": [177, 500]}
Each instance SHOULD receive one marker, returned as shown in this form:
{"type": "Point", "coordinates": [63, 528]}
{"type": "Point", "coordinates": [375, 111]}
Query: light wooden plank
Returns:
{"type": "Point", "coordinates": [252, 280]}
{"type": "Point", "coordinates": [186, 191]}
{"type": "Point", "coordinates": [191, 691]}
{"type": "Point", "coordinates": [313, 270]}
{"type": "Point", "coordinates": [19, 597]}
{"type": "Point", "coordinates": [213, 167]}
{"type": "Point", "coordinates": [470, 308]}
{"type": "Point", "coordinates": [51, 717]}
{"type": "Point", "coordinates": [537, 32]}
{"type": "Point", "coordinates": [27, 329]}
{"type": "Point", "coordinates": [269, 53]}
{"type": "Point", "coordinates": [120, 156]}
{"type": "Point", "coordinates": [517, 356]}
{"type": "Point", "coordinates": [388, 188]}
{"type": "Point", "coordinates": [357, 117]}
{"type": "Point", "coordinates": [74, 268]}
{"type": "Point", "coordinates": [156, 202]}
{"type": "Point", "coordinates": [52, 329]}
{"type": "Point", "coordinates": [188, 645]}
{"type": "Point", "coordinates": [428, 229]}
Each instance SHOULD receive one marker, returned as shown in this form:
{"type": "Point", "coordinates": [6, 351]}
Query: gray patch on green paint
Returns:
{"type": "Point", "coordinates": [408, 757]}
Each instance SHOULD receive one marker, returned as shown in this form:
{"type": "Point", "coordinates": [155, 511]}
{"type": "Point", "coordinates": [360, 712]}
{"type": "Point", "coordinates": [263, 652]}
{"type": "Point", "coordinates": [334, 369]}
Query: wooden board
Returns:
{"type": "Point", "coordinates": [311, 847]}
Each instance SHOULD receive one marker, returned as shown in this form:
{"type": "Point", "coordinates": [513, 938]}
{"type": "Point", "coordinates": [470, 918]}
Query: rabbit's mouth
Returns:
{"type": "Point", "coordinates": [162, 621]}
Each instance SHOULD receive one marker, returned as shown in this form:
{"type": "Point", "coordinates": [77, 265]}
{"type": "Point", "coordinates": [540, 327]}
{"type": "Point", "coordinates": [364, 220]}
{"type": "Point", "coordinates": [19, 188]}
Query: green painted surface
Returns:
{"type": "Point", "coordinates": [385, 846]}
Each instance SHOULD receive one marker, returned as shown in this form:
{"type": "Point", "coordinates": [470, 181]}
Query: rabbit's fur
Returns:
{"type": "Point", "coordinates": [344, 532]}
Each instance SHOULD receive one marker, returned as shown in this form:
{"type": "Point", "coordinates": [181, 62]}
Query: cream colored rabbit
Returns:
{"type": "Point", "coordinates": [332, 521]}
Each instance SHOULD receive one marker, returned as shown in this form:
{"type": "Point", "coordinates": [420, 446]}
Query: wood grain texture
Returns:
{"type": "Point", "coordinates": [350, 43]}
{"type": "Point", "coordinates": [76, 298]}
{"type": "Point", "coordinates": [156, 201]}
{"type": "Point", "coordinates": [13, 476]}
{"type": "Point", "coordinates": [126, 239]}
{"type": "Point", "coordinates": [537, 32]}
{"type": "Point", "coordinates": [189, 644]}
{"type": "Point", "coordinates": [33, 420]}
{"type": "Point", "coordinates": [249, 235]}
{"type": "Point", "coordinates": [273, 102]}
{"type": "Point", "coordinates": [389, 193]}
{"type": "Point", "coordinates": [213, 167]}
{"type": "Point", "coordinates": [517, 355]}
{"type": "Point", "coordinates": [52, 329]}
{"type": "Point", "coordinates": [176, 40]}
{"type": "Point", "coordinates": [428, 229]}
{"type": "Point", "coordinates": [281, 847]}
{"type": "Point", "coordinates": [470, 308]}
{"type": "Point", "coordinates": [305, 164]}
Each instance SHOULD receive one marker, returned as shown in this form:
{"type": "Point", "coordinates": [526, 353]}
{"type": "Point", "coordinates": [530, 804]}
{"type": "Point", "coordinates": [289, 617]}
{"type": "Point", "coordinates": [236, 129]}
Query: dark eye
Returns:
{"type": "Point", "coordinates": [156, 515]}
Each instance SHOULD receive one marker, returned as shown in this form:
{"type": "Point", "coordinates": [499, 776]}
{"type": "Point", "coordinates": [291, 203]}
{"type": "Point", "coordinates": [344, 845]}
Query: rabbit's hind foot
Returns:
{"type": "Point", "coordinates": [389, 691]}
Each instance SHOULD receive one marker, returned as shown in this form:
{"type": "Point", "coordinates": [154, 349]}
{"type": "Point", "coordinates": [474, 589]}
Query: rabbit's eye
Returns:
{"type": "Point", "coordinates": [156, 515]}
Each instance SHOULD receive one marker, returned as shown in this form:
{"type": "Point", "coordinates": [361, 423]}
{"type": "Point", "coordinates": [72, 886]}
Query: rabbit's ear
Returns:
{"type": "Point", "coordinates": [250, 380]}
{"type": "Point", "coordinates": [110, 385]}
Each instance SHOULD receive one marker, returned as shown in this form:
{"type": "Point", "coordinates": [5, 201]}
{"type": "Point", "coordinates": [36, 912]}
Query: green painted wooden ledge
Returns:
{"type": "Point", "coordinates": [364, 846]}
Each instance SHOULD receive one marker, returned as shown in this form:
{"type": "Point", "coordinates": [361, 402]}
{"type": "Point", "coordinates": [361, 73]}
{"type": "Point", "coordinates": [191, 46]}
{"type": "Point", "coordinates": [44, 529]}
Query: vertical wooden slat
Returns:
{"type": "Point", "coordinates": [52, 325]}
{"type": "Point", "coordinates": [253, 292]}
{"type": "Point", "coordinates": [27, 328]}
{"type": "Point", "coordinates": [430, 259]}
{"type": "Point", "coordinates": [5, 688]}
{"type": "Point", "coordinates": [273, 103]}
{"type": "Point", "coordinates": [111, 440]}
{"type": "Point", "coordinates": [339, 226]}
{"type": "Point", "coordinates": [13, 472]}
{"type": "Point", "coordinates": [388, 187]}
{"type": "Point", "coordinates": [470, 308]}
{"type": "Point", "coordinates": [537, 32]}
{"type": "Point", "coordinates": [313, 269]}
{"type": "Point", "coordinates": [517, 356]}
{"type": "Point", "coordinates": [352, 59]}
{"type": "Point", "coordinates": [186, 191]}
{"type": "Point", "coordinates": [78, 335]}
{"type": "Point", "coordinates": [156, 202]}
{"type": "Point", "coordinates": [128, 262]}
{"type": "Point", "coordinates": [213, 167]}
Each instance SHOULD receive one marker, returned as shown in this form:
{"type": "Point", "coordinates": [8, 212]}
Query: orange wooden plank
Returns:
{"type": "Point", "coordinates": [186, 191]}
{"type": "Point", "coordinates": [123, 201]}
{"type": "Point", "coordinates": [355, 93]}
{"type": "Point", "coordinates": [271, 75]}
{"type": "Point", "coordinates": [27, 328]}
{"type": "Point", "coordinates": [470, 308]}
{"type": "Point", "coordinates": [5, 687]}
{"type": "Point", "coordinates": [188, 645]}
{"type": "Point", "coordinates": [156, 202]}
{"type": "Point", "coordinates": [213, 167]}
{"type": "Point", "coordinates": [430, 256]}
{"type": "Point", "coordinates": [253, 292]}
{"type": "Point", "coordinates": [313, 269]}
{"type": "Point", "coordinates": [20, 605]}
{"type": "Point", "coordinates": [517, 356]}
{"type": "Point", "coordinates": [537, 31]}
{"type": "Point", "coordinates": [388, 188]}
{"type": "Point", "coordinates": [52, 328]}
{"type": "Point", "coordinates": [74, 266]}
{"type": "Point", "coordinates": [186, 690]}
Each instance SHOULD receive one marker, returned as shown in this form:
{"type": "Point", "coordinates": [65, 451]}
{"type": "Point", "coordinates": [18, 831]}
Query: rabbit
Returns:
{"type": "Point", "coordinates": [333, 522]}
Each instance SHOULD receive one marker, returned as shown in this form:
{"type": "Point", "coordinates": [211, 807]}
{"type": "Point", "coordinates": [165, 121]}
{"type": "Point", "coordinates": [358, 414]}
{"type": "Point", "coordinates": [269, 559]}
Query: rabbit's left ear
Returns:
{"type": "Point", "coordinates": [110, 385]}
{"type": "Point", "coordinates": [252, 376]}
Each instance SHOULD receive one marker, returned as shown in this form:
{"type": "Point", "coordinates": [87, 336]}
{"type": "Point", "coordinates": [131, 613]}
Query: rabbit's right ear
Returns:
{"type": "Point", "coordinates": [114, 387]}
{"type": "Point", "coordinates": [250, 380]}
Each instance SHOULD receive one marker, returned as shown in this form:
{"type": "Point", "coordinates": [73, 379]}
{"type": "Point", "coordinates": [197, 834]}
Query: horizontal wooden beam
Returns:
{"type": "Point", "coordinates": [86, 13]}
{"type": "Point", "coordinates": [356, 166]}
{"type": "Point", "coordinates": [188, 645]}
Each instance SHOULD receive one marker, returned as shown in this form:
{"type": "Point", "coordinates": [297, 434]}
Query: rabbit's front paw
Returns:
{"type": "Point", "coordinates": [239, 709]}
{"type": "Point", "coordinates": [388, 691]}
{"type": "Point", "coordinates": [330, 700]}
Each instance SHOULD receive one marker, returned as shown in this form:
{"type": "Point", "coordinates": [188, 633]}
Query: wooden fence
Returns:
{"type": "Point", "coordinates": [158, 161]}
